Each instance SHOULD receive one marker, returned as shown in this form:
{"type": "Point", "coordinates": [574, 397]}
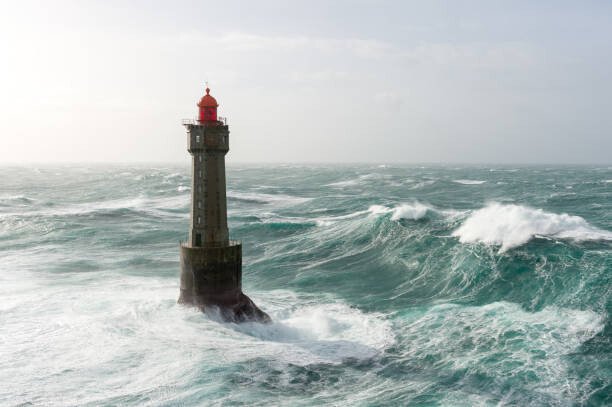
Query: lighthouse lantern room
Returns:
{"type": "Point", "coordinates": [208, 109]}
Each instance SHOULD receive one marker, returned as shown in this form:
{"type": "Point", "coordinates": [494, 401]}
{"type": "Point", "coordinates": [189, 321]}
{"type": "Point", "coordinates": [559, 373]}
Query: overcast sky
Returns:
{"type": "Point", "coordinates": [339, 81]}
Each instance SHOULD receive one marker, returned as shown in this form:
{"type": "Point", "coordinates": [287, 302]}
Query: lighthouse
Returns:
{"type": "Point", "coordinates": [211, 263]}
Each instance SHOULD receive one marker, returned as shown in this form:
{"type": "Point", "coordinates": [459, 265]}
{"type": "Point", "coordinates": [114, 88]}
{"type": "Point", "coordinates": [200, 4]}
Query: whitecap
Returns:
{"type": "Point", "coordinates": [503, 169]}
{"type": "Point", "coordinates": [362, 179]}
{"type": "Point", "coordinates": [153, 206]}
{"type": "Point", "coordinates": [379, 209]}
{"type": "Point", "coordinates": [423, 184]}
{"type": "Point", "coordinates": [468, 181]}
{"type": "Point", "coordinates": [346, 183]}
{"type": "Point", "coordinates": [514, 225]}
{"type": "Point", "coordinates": [473, 338]}
{"type": "Point", "coordinates": [319, 333]}
{"type": "Point", "coordinates": [17, 198]}
{"type": "Point", "coordinates": [256, 197]}
{"type": "Point", "coordinates": [412, 211]}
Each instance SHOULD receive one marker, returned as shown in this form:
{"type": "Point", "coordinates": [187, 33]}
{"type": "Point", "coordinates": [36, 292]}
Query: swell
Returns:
{"type": "Point", "coordinates": [376, 298]}
{"type": "Point", "coordinates": [514, 225]}
{"type": "Point", "coordinates": [407, 254]}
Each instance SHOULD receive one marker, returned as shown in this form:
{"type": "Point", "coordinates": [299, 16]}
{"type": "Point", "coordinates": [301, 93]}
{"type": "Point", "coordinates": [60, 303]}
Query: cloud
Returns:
{"type": "Point", "coordinates": [391, 100]}
{"type": "Point", "coordinates": [245, 42]}
{"type": "Point", "coordinates": [323, 76]}
{"type": "Point", "coordinates": [475, 55]}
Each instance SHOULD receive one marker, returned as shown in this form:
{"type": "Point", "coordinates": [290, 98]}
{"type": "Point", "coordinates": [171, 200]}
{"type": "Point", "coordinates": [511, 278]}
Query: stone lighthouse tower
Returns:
{"type": "Point", "coordinates": [211, 264]}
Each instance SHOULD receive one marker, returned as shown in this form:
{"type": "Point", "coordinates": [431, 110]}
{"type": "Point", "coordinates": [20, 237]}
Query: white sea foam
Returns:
{"type": "Point", "coordinates": [321, 333]}
{"type": "Point", "coordinates": [379, 209]}
{"type": "Point", "coordinates": [412, 211]}
{"type": "Point", "coordinates": [14, 199]}
{"type": "Point", "coordinates": [277, 199]}
{"type": "Point", "coordinates": [514, 225]}
{"type": "Point", "coordinates": [362, 179]}
{"type": "Point", "coordinates": [473, 338]}
{"type": "Point", "coordinates": [503, 169]}
{"type": "Point", "coordinates": [469, 181]}
{"type": "Point", "coordinates": [155, 206]}
{"type": "Point", "coordinates": [133, 325]}
{"type": "Point", "coordinates": [273, 217]}
{"type": "Point", "coordinates": [346, 183]}
{"type": "Point", "coordinates": [422, 184]}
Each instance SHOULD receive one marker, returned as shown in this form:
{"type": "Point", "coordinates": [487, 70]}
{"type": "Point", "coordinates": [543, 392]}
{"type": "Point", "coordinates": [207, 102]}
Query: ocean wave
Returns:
{"type": "Point", "coordinates": [278, 219]}
{"type": "Point", "coordinates": [346, 183]}
{"type": "Point", "coordinates": [161, 206]}
{"type": "Point", "coordinates": [15, 199]}
{"type": "Point", "coordinates": [423, 184]}
{"type": "Point", "coordinates": [503, 169]}
{"type": "Point", "coordinates": [362, 179]}
{"type": "Point", "coordinates": [470, 339]}
{"type": "Point", "coordinates": [261, 198]}
{"type": "Point", "coordinates": [514, 225]}
{"type": "Point", "coordinates": [319, 332]}
{"type": "Point", "coordinates": [411, 211]}
{"type": "Point", "coordinates": [469, 181]}
{"type": "Point", "coordinates": [414, 211]}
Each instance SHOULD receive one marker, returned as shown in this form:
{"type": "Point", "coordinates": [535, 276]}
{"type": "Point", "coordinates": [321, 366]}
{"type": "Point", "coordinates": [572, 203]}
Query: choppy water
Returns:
{"type": "Point", "coordinates": [388, 285]}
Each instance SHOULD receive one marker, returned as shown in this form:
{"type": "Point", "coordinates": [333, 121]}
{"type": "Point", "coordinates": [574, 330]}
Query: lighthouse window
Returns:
{"type": "Point", "coordinates": [200, 157]}
{"type": "Point", "coordinates": [198, 138]}
{"type": "Point", "coordinates": [198, 220]}
{"type": "Point", "coordinates": [199, 204]}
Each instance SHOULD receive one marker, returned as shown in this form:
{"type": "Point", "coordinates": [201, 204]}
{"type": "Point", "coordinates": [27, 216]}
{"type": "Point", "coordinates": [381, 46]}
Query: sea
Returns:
{"type": "Point", "coordinates": [388, 285]}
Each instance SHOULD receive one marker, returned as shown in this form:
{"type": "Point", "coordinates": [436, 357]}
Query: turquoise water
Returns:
{"type": "Point", "coordinates": [388, 285]}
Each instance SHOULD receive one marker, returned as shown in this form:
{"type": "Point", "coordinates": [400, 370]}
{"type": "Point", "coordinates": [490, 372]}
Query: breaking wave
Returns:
{"type": "Point", "coordinates": [318, 333]}
{"type": "Point", "coordinates": [277, 199]}
{"type": "Point", "coordinates": [373, 301]}
{"type": "Point", "coordinates": [414, 211]}
{"type": "Point", "coordinates": [469, 181]}
{"type": "Point", "coordinates": [514, 225]}
{"type": "Point", "coordinates": [472, 339]}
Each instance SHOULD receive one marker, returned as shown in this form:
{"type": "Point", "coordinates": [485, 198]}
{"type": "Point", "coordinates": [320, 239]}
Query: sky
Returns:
{"type": "Point", "coordinates": [492, 82]}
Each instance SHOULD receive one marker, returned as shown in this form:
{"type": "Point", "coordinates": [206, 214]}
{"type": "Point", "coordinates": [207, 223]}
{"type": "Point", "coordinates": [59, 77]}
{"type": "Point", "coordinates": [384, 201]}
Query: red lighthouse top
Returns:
{"type": "Point", "coordinates": [208, 109]}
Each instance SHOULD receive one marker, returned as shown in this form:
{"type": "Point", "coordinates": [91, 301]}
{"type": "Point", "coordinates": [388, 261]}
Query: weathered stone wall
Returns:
{"type": "Point", "coordinates": [208, 146]}
{"type": "Point", "coordinates": [211, 275]}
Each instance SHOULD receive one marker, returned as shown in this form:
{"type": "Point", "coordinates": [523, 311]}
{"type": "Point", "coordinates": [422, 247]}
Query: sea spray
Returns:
{"type": "Point", "coordinates": [513, 225]}
{"type": "Point", "coordinates": [374, 301]}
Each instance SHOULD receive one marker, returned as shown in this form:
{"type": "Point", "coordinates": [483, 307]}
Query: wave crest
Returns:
{"type": "Point", "coordinates": [469, 181]}
{"type": "Point", "coordinates": [412, 211]}
{"type": "Point", "coordinates": [514, 225]}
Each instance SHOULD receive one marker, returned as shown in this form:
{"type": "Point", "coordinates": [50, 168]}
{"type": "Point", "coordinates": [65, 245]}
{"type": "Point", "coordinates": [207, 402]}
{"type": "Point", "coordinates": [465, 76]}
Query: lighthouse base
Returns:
{"type": "Point", "coordinates": [211, 279]}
